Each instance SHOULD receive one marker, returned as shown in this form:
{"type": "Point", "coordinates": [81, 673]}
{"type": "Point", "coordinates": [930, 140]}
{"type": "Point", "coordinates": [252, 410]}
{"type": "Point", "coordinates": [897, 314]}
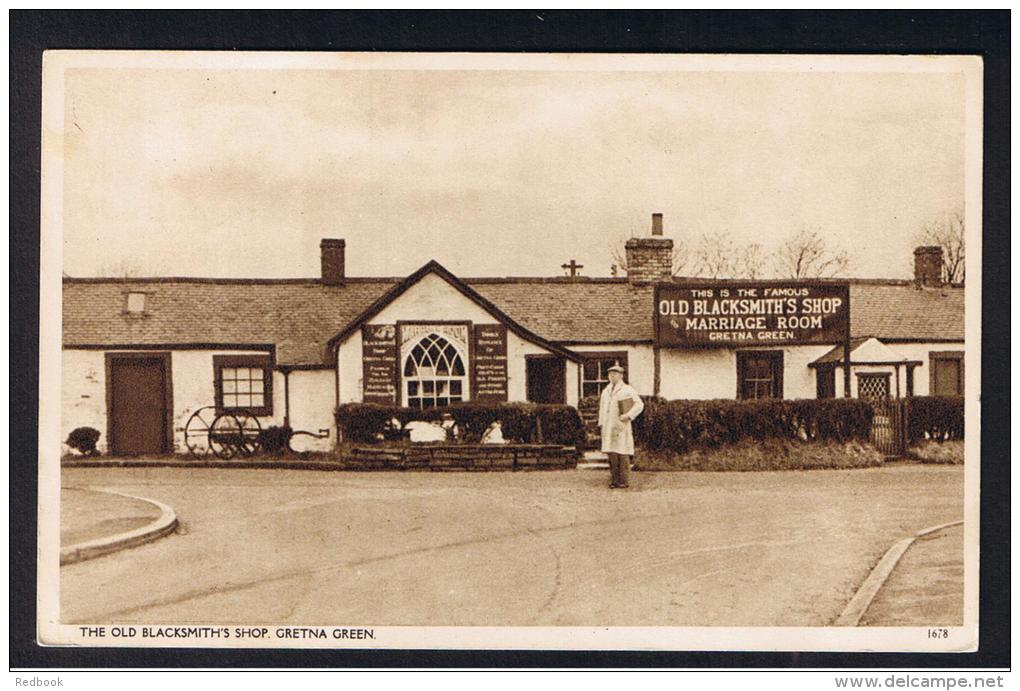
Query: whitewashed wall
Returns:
{"type": "Point", "coordinates": [697, 374]}
{"type": "Point", "coordinates": [194, 388]}
{"type": "Point", "coordinates": [921, 351]}
{"type": "Point", "coordinates": [312, 401]}
{"type": "Point", "coordinates": [83, 393]}
{"type": "Point", "coordinates": [910, 351]}
{"type": "Point", "coordinates": [433, 298]}
{"type": "Point", "coordinates": [705, 373]}
{"type": "Point", "coordinates": [573, 382]}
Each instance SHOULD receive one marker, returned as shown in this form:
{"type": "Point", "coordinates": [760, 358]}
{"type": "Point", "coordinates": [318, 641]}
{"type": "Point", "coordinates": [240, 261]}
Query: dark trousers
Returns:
{"type": "Point", "coordinates": [619, 470]}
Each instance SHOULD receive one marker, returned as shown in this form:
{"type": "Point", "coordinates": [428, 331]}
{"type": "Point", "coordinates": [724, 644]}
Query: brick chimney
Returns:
{"type": "Point", "coordinates": [928, 265]}
{"type": "Point", "coordinates": [650, 259]}
{"type": "Point", "coordinates": [332, 251]}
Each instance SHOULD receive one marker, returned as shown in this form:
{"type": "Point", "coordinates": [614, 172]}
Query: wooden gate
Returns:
{"type": "Point", "coordinates": [888, 427]}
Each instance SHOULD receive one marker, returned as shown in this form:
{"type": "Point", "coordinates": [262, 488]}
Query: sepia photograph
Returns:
{"type": "Point", "coordinates": [516, 351]}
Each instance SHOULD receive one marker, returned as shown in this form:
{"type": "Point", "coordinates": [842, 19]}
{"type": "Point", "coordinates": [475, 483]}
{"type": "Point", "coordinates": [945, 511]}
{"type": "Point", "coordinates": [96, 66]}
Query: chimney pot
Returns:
{"type": "Point", "coordinates": [650, 259]}
{"type": "Point", "coordinates": [656, 224]}
{"type": "Point", "coordinates": [332, 252]}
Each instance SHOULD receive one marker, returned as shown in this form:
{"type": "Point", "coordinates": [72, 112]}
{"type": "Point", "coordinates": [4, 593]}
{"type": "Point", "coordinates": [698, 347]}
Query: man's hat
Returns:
{"type": "Point", "coordinates": [616, 368]}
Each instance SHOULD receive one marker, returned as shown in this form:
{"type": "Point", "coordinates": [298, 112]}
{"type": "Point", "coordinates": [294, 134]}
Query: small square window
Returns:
{"type": "Point", "coordinates": [243, 384]}
{"type": "Point", "coordinates": [136, 303]}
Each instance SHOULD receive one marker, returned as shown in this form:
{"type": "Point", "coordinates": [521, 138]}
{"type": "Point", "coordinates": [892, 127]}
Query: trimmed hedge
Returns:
{"type": "Point", "coordinates": [366, 423]}
{"type": "Point", "coordinates": [938, 418]}
{"type": "Point", "coordinates": [84, 440]}
{"type": "Point", "coordinates": [686, 425]}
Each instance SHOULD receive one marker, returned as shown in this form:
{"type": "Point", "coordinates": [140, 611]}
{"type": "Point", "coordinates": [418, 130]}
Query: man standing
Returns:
{"type": "Point", "coordinates": [618, 407]}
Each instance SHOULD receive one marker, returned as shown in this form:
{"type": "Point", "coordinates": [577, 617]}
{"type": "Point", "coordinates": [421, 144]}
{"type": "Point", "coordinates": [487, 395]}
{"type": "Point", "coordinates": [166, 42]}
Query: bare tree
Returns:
{"type": "Point", "coordinates": [123, 268]}
{"type": "Point", "coordinates": [949, 233]}
{"type": "Point", "coordinates": [805, 254]}
{"type": "Point", "coordinates": [717, 256]}
{"type": "Point", "coordinates": [618, 251]}
{"type": "Point", "coordinates": [751, 262]}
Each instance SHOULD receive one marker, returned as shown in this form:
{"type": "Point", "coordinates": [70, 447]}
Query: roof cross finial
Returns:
{"type": "Point", "coordinates": [572, 267]}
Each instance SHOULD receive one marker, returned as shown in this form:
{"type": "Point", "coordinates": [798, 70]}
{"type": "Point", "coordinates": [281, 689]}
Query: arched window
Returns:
{"type": "Point", "coordinates": [434, 373]}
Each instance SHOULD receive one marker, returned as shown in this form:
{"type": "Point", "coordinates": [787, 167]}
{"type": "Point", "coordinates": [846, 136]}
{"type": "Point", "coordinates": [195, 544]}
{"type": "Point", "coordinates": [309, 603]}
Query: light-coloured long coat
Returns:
{"type": "Point", "coordinates": [618, 434]}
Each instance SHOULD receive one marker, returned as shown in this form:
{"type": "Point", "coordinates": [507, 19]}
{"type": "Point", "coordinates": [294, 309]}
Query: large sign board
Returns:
{"type": "Point", "coordinates": [379, 363]}
{"type": "Point", "coordinates": [751, 314]}
{"type": "Point", "coordinates": [490, 363]}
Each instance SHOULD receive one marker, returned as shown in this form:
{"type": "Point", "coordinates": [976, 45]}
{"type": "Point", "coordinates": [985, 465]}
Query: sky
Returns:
{"type": "Point", "coordinates": [240, 172]}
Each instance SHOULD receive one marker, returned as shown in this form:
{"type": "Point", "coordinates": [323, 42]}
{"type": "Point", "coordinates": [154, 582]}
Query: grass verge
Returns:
{"type": "Point", "coordinates": [938, 452]}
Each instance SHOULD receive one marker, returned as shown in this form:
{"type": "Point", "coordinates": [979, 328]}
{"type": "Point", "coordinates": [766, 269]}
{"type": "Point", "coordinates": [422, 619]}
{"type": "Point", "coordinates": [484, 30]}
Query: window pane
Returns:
{"type": "Point", "coordinates": [455, 387]}
{"type": "Point", "coordinates": [258, 400]}
{"type": "Point", "coordinates": [412, 388]}
{"type": "Point", "coordinates": [760, 375]}
{"type": "Point", "coordinates": [229, 372]}
{"type": "Point", "coordinates": [229, 400]}
{"type": "Point", "coordinates": [591, 369]}
{"type": "Point", "coordinates": [257, 386]}
{"type": "Point", "coordinates": [243, 386]}
{"type": "Point", "coordinates": [229, 386]}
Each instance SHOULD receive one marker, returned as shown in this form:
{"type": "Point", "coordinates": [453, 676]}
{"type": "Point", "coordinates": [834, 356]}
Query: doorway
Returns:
{"type": "Point", "coordinates": [546, 378]}
{"type": "Point", "coordinates": [138, 403]}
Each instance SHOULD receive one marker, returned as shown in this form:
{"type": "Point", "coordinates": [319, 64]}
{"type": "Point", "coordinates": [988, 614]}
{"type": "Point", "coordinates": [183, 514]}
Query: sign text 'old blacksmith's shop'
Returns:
{"type": "Point", "coordinates": [733, 314]}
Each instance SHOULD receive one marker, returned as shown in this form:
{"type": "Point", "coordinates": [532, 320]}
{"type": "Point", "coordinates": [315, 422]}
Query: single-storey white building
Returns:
{"type": "Point", "coordinates": [141, 355]}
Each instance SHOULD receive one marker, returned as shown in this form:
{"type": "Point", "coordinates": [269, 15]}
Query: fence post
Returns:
{"type": "Point", "coordinates": [906, 423]}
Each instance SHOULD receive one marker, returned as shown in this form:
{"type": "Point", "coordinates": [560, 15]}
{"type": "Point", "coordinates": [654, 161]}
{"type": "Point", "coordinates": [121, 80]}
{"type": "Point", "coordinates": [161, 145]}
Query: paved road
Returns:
{"type": "Point", "coordinates": [542, 548]}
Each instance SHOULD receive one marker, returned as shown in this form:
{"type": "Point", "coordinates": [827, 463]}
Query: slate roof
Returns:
{"type": "Point", "coordinates": [898, 310]}
{"type": "Point", "coordinates": [300, 316]}
{"type": "Point", "coordinates": [598, 311]}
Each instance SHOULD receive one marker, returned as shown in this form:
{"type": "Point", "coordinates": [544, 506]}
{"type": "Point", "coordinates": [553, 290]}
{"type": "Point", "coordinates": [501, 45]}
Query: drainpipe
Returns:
{"type": "Point", "coordinates": [336, 395]}
{"type": "Point", "coordinates": [286, 395]}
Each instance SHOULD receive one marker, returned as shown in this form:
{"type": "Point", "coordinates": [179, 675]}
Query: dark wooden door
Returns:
{"type": "Point", "coordinates": [546, 380]}
{"type": "Point", "coordinates": [138, 405]}
{"type": "Point", "coordinates": [825, 381]}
